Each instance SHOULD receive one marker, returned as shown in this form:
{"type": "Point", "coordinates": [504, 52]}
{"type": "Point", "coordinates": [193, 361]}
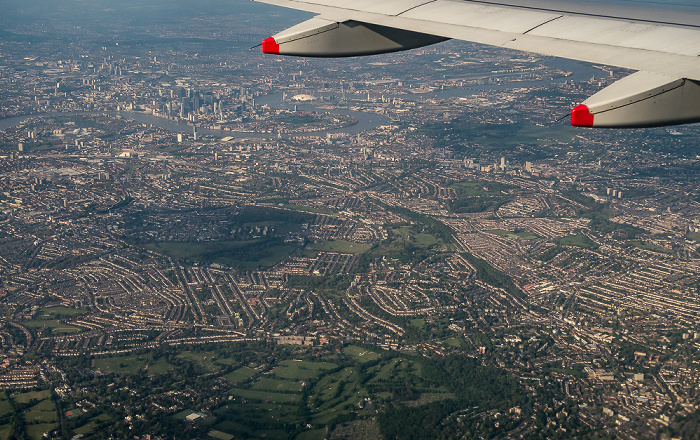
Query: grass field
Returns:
{"type": "Point", "coordinates": [457, 343]}
{"type": "Point", "coordinates": [55, 326]}
{"type": "Point", "coordinates": [44, 405]}
{"type": "Point", "coordinates": [342, 246]}
{"type": "Point", "coordinates": [132, 364]}
{"type": "Point", "coordinates": [425, 240]}
{"type": "Point", "coordinates": [272, 434]}
{"type": "Point", "coordinates": [26, 397]}
{"type": "Point", "coordinates": [410, 234]}
{"type": "Point", "coordinates": [159, 367]}
{"type": "Point", "coordinates": [466, 189]}
{"type": "Point", "coordinates": [240, 375]}
{"type": "Point", "coordinates": [301, 369]}
{"type": "Point", "coordinates": [122, 364]}
{"type": "Point", "coordinates": [360, 354]}
{"type": "Point", "coordinates": [314, 434]}
{"type": "Point", "coordinates": [243, 418]}
{"type": "Point", "coordinates": [220, 435]}
{"type": "Point", "coordinates": [335, 395]}
{"type": "Point", "coordinates": [5, 431]}
{"type": "Point", "coordinates": [578, 240]}
{"type": "Point", "coordinates": [205, 359]}
{"type": "Point", "coordinates": [92, 424]}
{"type": "Point", "coordinates": [694, 237]}
{"type": "Point", "coordinates": [525, 235]}
{"type": "Point", "coordinates": [652, 247]}
{"type": "Point", "coordinates": [247, 254]}
{"type": "Point", "coordinates": [60, 310]}
{"type": "Point", "coordinates": [5, 408]}
{"type": "Point", "coordinates": [268, 384]}
{"type": "Point", "coordinates": [37, 431]}
{"type": "Point", "coordinates": [417, 323]}
{"type": "Point", "coordinates": [41, 416]}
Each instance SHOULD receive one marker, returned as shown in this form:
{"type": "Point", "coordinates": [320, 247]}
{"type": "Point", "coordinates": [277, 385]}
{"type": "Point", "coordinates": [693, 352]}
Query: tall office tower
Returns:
{"type": "Point", "coordinates": [194, 132]}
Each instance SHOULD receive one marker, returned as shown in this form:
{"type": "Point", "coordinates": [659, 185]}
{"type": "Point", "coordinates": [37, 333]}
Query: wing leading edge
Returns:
{"type": "Point", "coordinates": [663, 44]}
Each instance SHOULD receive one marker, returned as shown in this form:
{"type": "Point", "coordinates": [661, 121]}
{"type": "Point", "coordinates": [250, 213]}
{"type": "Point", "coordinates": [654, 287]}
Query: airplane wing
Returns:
{"type": "Point", "coordinates": [660, 42]}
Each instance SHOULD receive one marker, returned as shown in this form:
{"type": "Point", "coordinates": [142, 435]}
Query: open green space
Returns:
{"type": "Point", "coordinates": [122, 364]}
{"type": "Point", "coordinates": [240, 375]}
{"type": "Point", "coordinates": [37, 431]}
{"type": "Point", "coordinates": [478, 196]}
{"type": "Point", "coordinates": [578, 240]}
{"type": "Point", "coordinates": [694, 237]}
{"type": "Point", "coordinates": [243, 419]}
{"type": "Point", "coordinates": [266, 396]}
{"type": "Point", "coordinates": [426, 240]}
{"type": "Point", "coordinates": [360, 354]}
{"type": "Point", "coordinates": [342, 246]}
{"type": "Point", "coordinates": [55, 326]}
{"type": "Point", "coordinates": [525, 235]}
{"type": "Point", "coordinates": [299, 119]}
{"type": "Point", "coordinates": [62, 311]}
{"type": "Point", "coordinates": [268, 384]}
{"type": "Point", "coordinates": [5, 432]}
{"type": "Point", "coordinates": [31, 395]}
{"type": "Point", "coordinates": [457, 343]}
{"type": "Point", "coordinates": [417, 322]}
{"type": "Point", "coordinates": [314, 434]}
{"type": "Point", "coordinates": [132, 364]}
{"type": "Point", "coordinates": [44, 405]}
{"type": "Point", "coordinates": [479, 188]}
{"type": "Point", "coordinates": [206, 360]}
{"type": "Point", "coordinates": [651, 247]}
{"type": "Point", "coordinates": [506, 136]}
{"type": "Point", "coordinates": [292, 369]}
{"type": "Point", "coordinates": [5, 408]}
{"type": "Point", "coordinates": [219, 435]}
{"type": "Point", "coordinates": [41, 416]}
{"type": "Point", "coordinates": [245, 254]}
{"type": "Point", "coordinates": [159, 366]}
{"type": "Point", "coordinates": [412, 234]}
{"type": "Point", "coordinates": [272, 434]}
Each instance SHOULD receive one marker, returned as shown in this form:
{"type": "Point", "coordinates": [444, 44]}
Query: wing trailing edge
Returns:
{"type": "Point", "coordinates": [319, 37]}
{"type": "Point", "coordinates": [664, 47]}
{"type": "Point", "coordinates": [642, 99]}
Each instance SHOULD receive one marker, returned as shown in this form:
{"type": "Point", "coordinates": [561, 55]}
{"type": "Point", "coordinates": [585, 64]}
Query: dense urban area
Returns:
{"type": "Point", "coordinates": [199, 241]}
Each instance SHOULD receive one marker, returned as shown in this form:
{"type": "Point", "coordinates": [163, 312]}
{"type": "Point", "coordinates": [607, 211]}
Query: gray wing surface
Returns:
{"type": "Point", "coordinates": [661, 42]}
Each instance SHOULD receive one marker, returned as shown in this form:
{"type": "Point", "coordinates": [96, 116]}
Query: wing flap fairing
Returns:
{"type": "Point", "coordinates": [319, 37]}
{"type": "Point", "coordinates": [642, 99]}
